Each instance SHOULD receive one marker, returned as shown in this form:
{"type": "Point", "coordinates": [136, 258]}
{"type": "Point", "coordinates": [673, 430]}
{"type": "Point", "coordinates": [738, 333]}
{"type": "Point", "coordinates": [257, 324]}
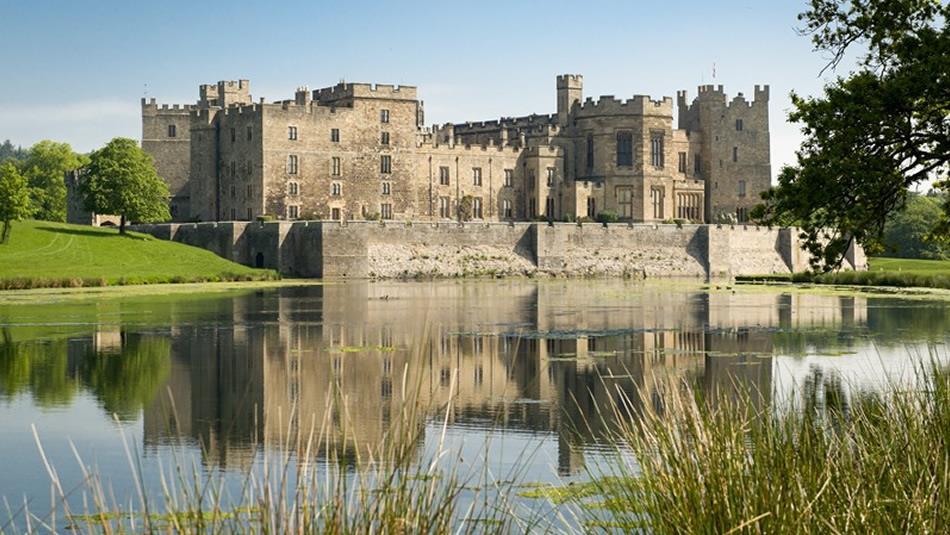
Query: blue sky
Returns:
{"type": "Point", "coordinates": [75, 70]}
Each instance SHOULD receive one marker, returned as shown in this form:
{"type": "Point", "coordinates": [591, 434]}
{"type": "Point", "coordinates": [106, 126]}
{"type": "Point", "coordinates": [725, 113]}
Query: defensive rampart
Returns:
{"type": "Point", "coordinates": [391, 249]}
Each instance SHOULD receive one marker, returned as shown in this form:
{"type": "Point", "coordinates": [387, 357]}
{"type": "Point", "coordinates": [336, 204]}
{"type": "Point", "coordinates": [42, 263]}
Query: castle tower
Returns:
{"type": "Point", "coordinates": [570, 89]}
{"type": "Point", "coordinates": [734, 159]}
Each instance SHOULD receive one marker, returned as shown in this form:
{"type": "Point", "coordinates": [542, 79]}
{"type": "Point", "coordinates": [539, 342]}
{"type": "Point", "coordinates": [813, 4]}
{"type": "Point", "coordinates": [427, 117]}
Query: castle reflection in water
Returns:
{"type": "Point", "coordinates": [521, 355]}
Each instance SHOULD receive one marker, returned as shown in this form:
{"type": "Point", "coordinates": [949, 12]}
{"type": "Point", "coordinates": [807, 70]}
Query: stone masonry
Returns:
{"type": "Point", "coordinates": [360, 151]}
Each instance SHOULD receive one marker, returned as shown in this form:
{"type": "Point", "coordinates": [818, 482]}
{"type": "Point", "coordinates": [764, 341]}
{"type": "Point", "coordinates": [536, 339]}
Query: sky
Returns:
{"type": "Point", "coordinates": [75, 70]}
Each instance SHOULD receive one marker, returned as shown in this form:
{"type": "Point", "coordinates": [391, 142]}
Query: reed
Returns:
{"type": "Point", "coordinates": [877, 463]}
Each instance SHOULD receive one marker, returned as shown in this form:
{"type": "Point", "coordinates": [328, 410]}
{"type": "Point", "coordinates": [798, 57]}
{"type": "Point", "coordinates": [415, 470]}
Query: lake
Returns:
{"type": "Point", "coordinates": [514, 375]}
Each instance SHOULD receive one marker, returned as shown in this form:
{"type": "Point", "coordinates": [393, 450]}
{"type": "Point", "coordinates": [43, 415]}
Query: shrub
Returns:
{"type": "Point", "coordinates": [607, 217]}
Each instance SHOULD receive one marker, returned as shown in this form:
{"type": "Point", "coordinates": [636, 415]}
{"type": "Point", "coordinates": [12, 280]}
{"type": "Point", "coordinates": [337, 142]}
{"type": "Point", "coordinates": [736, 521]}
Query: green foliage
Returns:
{"type": "Point", "coordinates": [45, 167]}
{"type": "Point", "coordinates": [466, 209]}
{"type": "Point", "coordinates": [872, 135]}
{"type": "Point", "coordinates": [121, 180]}
{"type": "Point", "coordinates": [124, 381]}
{"type": "Point", "coordinates": [906, 232]}
{"type": "Point", "coordinates": [14, 198]}
{"type": "Point", "coordinates": [45, 254]}
{"type": "Point", "coordinates": [837, 460]}
{"type": "Point", "coordinates": [607, 217]}
{"type": "Point", "coordinates": [10, 152]}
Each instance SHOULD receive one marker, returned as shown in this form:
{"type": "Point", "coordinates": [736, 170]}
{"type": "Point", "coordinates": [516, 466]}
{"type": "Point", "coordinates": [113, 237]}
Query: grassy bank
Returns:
{"type": "Point", "coordinates": [41, 254]}
{"type": "Point", "coordinates": [885, 272]}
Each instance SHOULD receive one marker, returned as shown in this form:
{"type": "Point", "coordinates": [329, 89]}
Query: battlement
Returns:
{"type": "Point", "coordinates": [638, 105]}
{"type": "Point", "coordinates": [357, 90]}
{"type": "Point", "coordinates": [429, 144]}
{"type": "Point", "coordinates": [150, 106]}
{"type": "Point", "coordinates": [225, 93]}
{"type": "Point", "coordinates": [715, 94]}
{"type": "Point", "coordinates": [569, 81]}
{"type": "Point", "coordinates": [526, 122]}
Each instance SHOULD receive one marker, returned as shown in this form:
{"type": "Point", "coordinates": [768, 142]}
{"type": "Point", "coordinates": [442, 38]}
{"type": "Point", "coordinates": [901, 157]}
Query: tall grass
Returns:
{"type": "Point", "coordinates": [879, 463]}
{"type": "Point", "coordinates": [304, 483]}
{"type": "Point", "coordinates": [733, 463]}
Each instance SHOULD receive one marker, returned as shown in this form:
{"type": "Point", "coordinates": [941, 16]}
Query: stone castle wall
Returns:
{"type": "Point", "coordinates": [330, 249]}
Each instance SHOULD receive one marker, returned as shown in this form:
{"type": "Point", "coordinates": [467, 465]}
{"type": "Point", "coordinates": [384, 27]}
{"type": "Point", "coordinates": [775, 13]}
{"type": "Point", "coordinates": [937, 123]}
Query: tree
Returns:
{"type": "Point", "coordinates": [906, 233]}
{"type": "Point", "coordinates": [9, 152]}
{"type": "Point", "coordinates": [121, 180]}
{"type": "Point", "coordinates": [14, 198]}
{"type": "Point", "coordinates": [45, 166]}
{"type": "Point", "coordinates": [872, 135]}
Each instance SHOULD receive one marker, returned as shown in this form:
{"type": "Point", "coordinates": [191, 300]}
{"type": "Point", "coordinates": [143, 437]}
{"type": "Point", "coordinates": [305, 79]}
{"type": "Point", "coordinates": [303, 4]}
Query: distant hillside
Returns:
{"type": "Point", "coordinates": [44, 254]}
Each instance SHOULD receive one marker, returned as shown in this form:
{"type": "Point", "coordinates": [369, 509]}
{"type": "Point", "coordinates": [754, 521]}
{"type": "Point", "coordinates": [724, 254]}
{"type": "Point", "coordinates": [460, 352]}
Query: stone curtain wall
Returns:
{"type": "Point", "coordinates": [424, 249]}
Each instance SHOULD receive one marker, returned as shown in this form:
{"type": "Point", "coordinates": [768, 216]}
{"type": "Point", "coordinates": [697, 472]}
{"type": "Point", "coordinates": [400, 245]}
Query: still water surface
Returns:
{"type": "Point", "coordinates": [226, 375]}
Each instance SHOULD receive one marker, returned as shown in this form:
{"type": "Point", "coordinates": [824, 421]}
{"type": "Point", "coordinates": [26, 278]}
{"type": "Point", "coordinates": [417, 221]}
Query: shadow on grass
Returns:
{"type": "Point", "coordinates": [94, 232]}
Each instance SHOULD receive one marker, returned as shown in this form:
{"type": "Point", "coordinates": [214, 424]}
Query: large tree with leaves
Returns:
{"type": "Point", "coordinates": [14, 198]}
{"type": "Point", "coordinates": [875, 133]}
{"type": "Point", "coordinates": [121, 180]}
{"type": "Point", "coordinates": [45, 167]}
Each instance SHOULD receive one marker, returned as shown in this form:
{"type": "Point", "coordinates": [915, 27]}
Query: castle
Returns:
{"type": "Point", "coordinates": [361, 151]}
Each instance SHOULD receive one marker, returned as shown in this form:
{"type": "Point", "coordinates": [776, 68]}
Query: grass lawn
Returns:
{"type": "Point", "coordinates": [909, 265]}
{"type": "Point", "coordinates": [44, 254]}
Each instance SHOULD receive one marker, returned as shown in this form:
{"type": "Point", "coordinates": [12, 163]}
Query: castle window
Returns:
{"type": "Point", "coordinates": [386, 211]}
{"type": "Point", "coordinates": [334, 135]}
{"type": "Point", "coordinates": [293, 211]}
{"type": "Point", "coordinates": [739, 125]}
{"type": "Point", "coordinates": [387, 188]}
{"type": "Point", "coordinates": [656, 197]}
{"type": "Point", "coordinates": [233, 169]}
{"type": "Point", "coordinates": [532, 208]}
{"type": "Point", "coordinates": [590, 152]}
{"type": "Point", "coordinates": [682, 162]}
{"type": "Point", "coordinates": [233, 191]}
{"type": "Point", "coordinates": [697, 165]}
{"type": "Point", "coordinates": [384, 138]}
{"type": "Point", "coordinates": [292, 133]}
{"type": "Point", "coordinates": [509, 177]}
{"type": "Point", "coordinates": [742, 215]}
{"type": "Point", "coordinates": [656, 150]}
{"type": "Point", "coordinates": [336, 166]}
{"type": "Point", "coordinates": [477, 207]}
{"type": "Point", "coordinates": [624, 149]}
{"type": "Point", "coordinates": [551, 177]}
{"type": "Point", "coordinates": [735, 154]}
{"type": "Point", "coordinates": [335, 214]}
{"type": "Point", "coordinates": [444, 204]}
{"type": "Point", "coordinates": [506, 208]}
{"type": "Point", "coordinates": [384, 116]}
{"type": "Point", "coordinates": [293, 188]}
{"type": "Point", "coordinates": [477, 176]}
{"type": "Point", "coordinates": [444, 175]}
{"type": "Point", "coordinates": [385, 164]}
{"type": "Point", "coordinates": [250, 133]}
{"type": "Point", "coordinates": [591, 207]}
{"type": "Point", "coordinates": [233, 136]}
{"type": "Point", "coordinates": [292, 164]}
{"type": "Point", "coordinates": [250, 214]}
{"type": "Point", "coordinates": [233, 214]}
{"type": "Point", "coordinates": [742, 188]}
{"type": "Point", "coordinates": [549, 207]}
{"type": "Point", "coordinates": [531, 180]}
{"type": "Point", "coordinates": [172, 131]}
{"type": "Point", "coordinates": [336, 189]}
{"type": "Point", "coordinates": [250, 191]}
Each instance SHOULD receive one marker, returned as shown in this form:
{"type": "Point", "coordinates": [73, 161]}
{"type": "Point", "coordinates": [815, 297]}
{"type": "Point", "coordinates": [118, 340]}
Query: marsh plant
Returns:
{"type": "Point", "coordinates": [828, 459]}
{"type": "Point", "coordinates": [830, 463]}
